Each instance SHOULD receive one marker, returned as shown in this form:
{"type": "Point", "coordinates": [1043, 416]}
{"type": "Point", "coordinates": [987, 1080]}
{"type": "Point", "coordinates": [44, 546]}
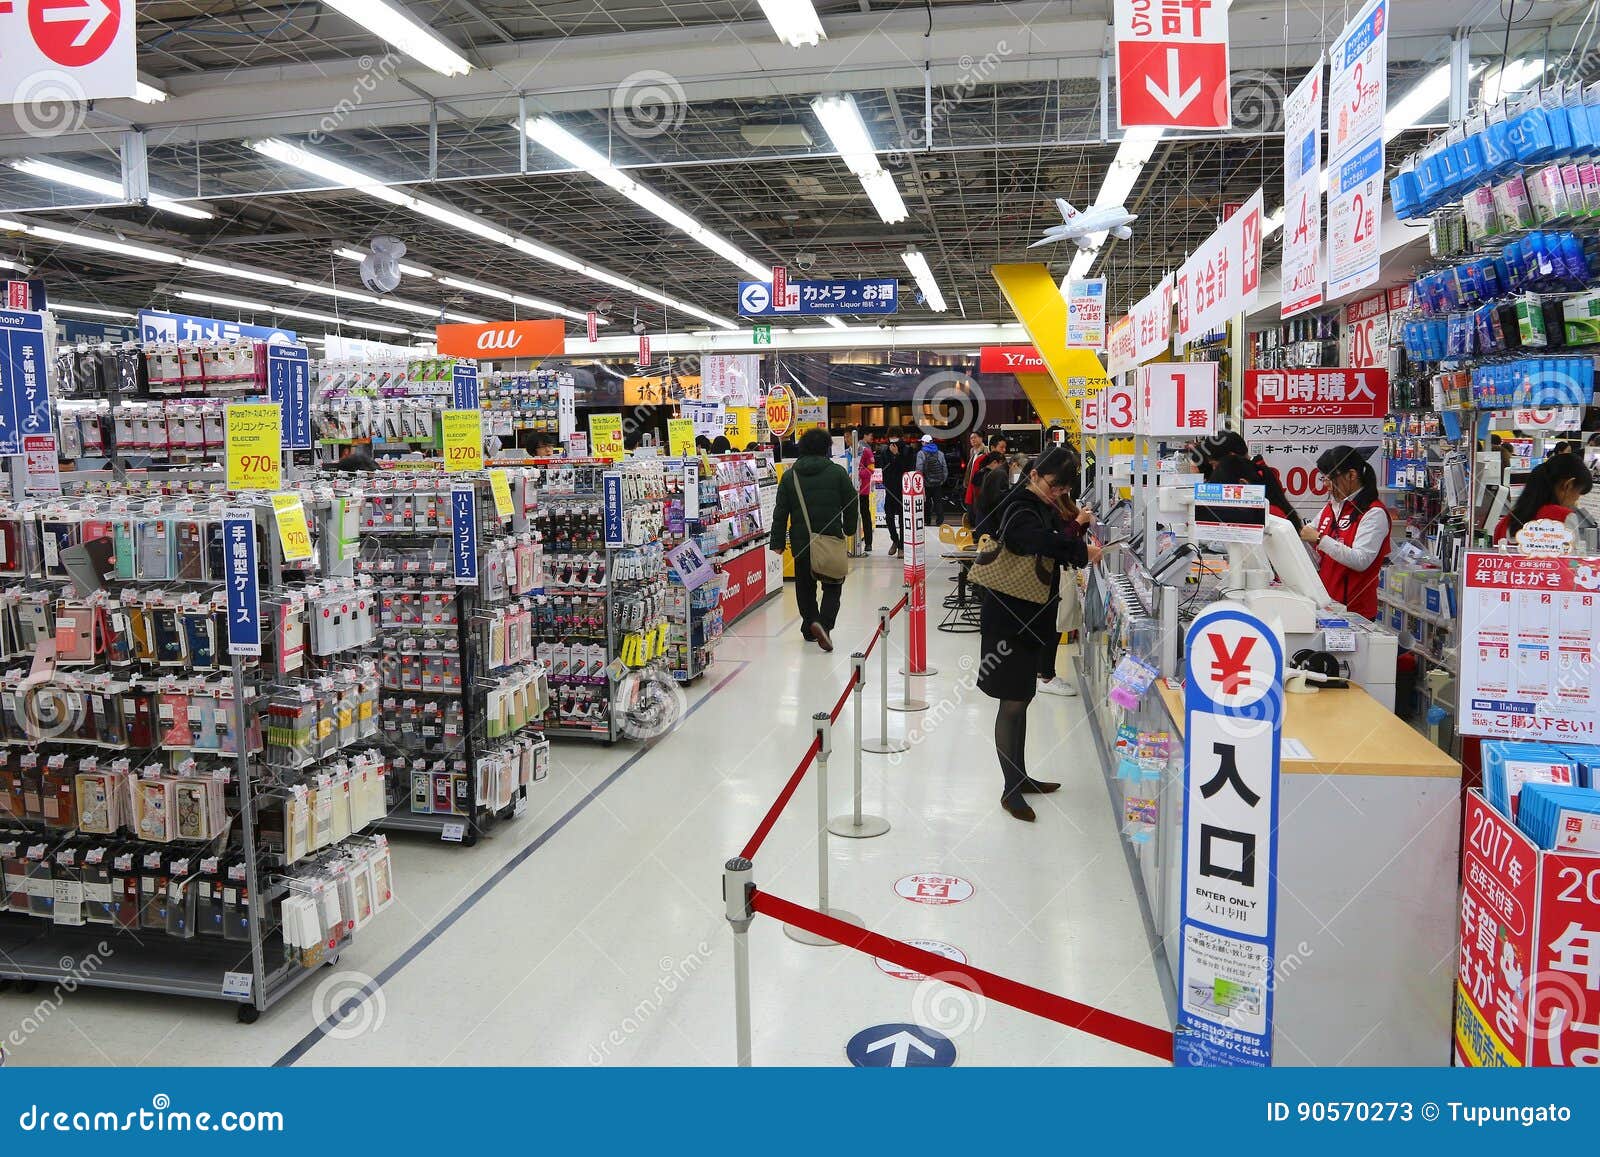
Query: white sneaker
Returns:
{"type": "Point", "coordinates": [1058, 686]}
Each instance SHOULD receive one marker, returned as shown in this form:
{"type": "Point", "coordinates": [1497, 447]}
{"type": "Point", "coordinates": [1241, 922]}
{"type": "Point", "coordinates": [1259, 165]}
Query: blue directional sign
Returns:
{"type": "Point", "coordinates": [464, 533]}
{"type": "Point", "coordinates": [870, 295]}
{"type": "Point", "coordinates": [244, 592]}
{"type": "Point", "coordinates": [156, 325]}
{"type": "Point", "coordinates": [24, 379]}
{"type": "Point", "coordinates": [900, 1046]}
{"type": "Point", "coordinates": [611, 498]}
{"type": "Point", "coordinates": [289, 384]}
{"type": "Point", "coordinates": [464, 385]}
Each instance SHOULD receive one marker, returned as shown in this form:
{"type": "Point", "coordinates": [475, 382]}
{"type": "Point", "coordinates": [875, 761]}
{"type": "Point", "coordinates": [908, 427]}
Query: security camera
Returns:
{"type": "Point", "coordinates": [639, 327]}
{"type": "Point", "coordinates": [805, 260]}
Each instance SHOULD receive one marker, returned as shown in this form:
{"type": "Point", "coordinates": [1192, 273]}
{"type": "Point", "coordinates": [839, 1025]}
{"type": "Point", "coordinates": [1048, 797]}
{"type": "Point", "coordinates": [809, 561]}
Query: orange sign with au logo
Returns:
{"type": "Point", "coordinates": [499, 340]}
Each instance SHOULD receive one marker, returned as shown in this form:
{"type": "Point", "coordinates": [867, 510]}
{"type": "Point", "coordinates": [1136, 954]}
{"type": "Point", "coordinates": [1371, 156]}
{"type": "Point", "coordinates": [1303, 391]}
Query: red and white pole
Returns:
{"type": "Point", "coordinates": [914, 552]}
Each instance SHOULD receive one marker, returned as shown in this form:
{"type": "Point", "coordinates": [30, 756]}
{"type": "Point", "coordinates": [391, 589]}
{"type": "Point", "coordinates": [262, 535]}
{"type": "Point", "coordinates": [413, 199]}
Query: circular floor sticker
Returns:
{"type": "Point", "coordinates": [933, 888]}
{"type": "Point", "coordinates": [900, 1046]}
{"type": "Point", "coordinates": [899, 972]}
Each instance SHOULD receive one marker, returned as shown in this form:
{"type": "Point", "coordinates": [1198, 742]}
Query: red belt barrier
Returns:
{"type": "Point", "coordinates": [873, 642]}
{"type": "Point", "coordinates": [773, 812]}
{"type": "Point", "coordinates": [899, 606]}
{"type": "Point", "coordinates": [1132, 1034]}
{"type": "Point", "coordinates": [844, 697]}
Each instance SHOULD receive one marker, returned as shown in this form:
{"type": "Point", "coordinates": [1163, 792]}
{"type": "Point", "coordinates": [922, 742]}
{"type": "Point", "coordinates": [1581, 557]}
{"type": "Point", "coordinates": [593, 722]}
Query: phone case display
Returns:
{"type": "Point", "coordinates": [462, 689]}
{"type": "Point", "coordinates": [523, 400]}
{"type": "Point", "coordinates": [734, 516]}
{"type": "Point", "coordinates": [382, 403]}
{"type": "Point", "coordinates": [153, 782]}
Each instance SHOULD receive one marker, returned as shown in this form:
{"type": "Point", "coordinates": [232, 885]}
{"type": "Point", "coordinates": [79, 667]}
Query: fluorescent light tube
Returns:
{"type": "Point", "coordinates": [105, 186]}
{"type": "Point", "coordinates": [842, 120]}
{"type": "Point", "coordinates": [835, 322]}
{"type": "Point", "coordinates": [236, 271]}
{"type": "Point", "coordinates": [285, 311]}
{"type": "Point", "coordinates": [795, 21]}
{"type": "Point", "coordinates": [104, 244]}
{"type": "Point", "coordinates": [148, 93]}
{"type": "Point", "coordinates": [1520, 74]}
{"type": "Point", "coordinates": [411, 38]}
{"type": "Point", "coordinates": [331, 171]}
{"type": "Point", "coordinates": [918, 264]}
{"type": "Point", "coordinates": [90, 310]}
{"type": "Point", "coordinates": [885, 196]}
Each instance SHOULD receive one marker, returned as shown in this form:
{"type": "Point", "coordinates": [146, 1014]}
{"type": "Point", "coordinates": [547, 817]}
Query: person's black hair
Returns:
{"type": "Point", "coordinates": [701, 442]}
{"type": "Point", "coordinates": [721, 445]}
{"type": "Point", "coordinates": [1056, 463]}
{"type": "Point", "coordinates": [1341, 458]}
{"type": "Point", "coordinates": [1565, 446]}
{"type": "Point", "coordinates": [816, 441]}
{"type": "Point", "coordinates": [1230, 442]}
{"type": "Point", "coordinates": [356, 462]}
{"type": "Point", "coordinates": [752, 448]}
{"type": "Point", "coordinates": [1540, 488]}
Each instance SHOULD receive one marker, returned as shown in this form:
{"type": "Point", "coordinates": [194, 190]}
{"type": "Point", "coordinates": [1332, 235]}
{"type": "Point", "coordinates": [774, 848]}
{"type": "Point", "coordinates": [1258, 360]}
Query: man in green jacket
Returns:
{"type": "Point", "coordinates": [830, 503]}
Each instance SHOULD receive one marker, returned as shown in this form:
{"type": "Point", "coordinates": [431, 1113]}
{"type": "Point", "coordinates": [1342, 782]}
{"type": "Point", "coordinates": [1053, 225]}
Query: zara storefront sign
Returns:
{"type": "Point", "coordinates": [1233, 725]}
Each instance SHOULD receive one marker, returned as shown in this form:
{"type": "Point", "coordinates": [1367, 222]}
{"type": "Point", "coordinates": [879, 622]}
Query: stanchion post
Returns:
{"type": "Point", "coordinates": [857, 826]}
{"type": "Point", "coordinates": [883, 745]}
{"type": "Point", "coordinates": [738, 883]}
{"type": "Point", "coordinates": [822, 728]}
{"type": "Point", "coordinates": [907, 701]}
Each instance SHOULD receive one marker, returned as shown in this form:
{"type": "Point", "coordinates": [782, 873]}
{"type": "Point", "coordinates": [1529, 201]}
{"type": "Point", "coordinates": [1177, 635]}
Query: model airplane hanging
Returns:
{"type": "Point", "coordinates": [1077, 226]}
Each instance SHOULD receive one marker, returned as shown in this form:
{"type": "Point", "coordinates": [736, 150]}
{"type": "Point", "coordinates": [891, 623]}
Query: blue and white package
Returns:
{"type": "Point", "coordinates": [1509, 764]}
{"type": "Point", "coordinates": [1542, 806]}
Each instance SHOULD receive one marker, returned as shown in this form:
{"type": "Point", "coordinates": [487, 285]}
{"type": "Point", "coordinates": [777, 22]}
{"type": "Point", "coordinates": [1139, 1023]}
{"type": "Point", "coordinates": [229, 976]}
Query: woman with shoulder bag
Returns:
{"type": "Point", "coordinates": [1019, 557]}
{"type": "Point", "coordinates": [817, 508]}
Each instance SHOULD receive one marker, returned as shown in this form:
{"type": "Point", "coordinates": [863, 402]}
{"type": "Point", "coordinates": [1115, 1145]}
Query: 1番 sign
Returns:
{"type": "Point", "coordinates": [1177, 398]}
{"type": "Point", "coordinates": [1301, 277]}
{"type": "Point", "coordinates": [1222, 278]}
{"type": "Point", "coordinates": [1233, 724]}
{"type": "Point", "coordinates": [1172, 64]}
{"type": "Point", "coordinates": [61, 51]}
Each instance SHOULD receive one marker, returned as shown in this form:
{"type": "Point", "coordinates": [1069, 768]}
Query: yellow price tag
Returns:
{"type": "Point", "coordinates": [500, 487]}
{"type": "Point", "coordinates": [463, 440]}
{"type": "Point", "coordinates": [680, 437]}
{"type": "Point", "coordinates": [605, 437]}
{"type": "Point", "coordinates": [255, 446]}
{"type": "Point", "coordinates": [294, 537]}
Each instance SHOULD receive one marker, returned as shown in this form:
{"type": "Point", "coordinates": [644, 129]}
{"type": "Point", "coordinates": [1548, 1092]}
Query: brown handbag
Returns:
{"type": "Point", "coordinates": [1004, 571]}
{"type": "Point", "coordinates": [829, 559]}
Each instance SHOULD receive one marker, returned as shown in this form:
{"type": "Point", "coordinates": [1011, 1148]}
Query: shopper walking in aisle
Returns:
{"type": "Point", "coordinates": [1351, 535]}
{"type": "Point", "coordinates": [1553, 490]}
{"type": "Point", "coordinates": [935, 473]}
{"type": "Point", "coordinates": [866, 463]}
{"type": "Point", "coordinates": [898, 457]}
{"type": "Point", "coordinates": [1030, 542]}
{"type": "Point", "coordinates": [815, 511]}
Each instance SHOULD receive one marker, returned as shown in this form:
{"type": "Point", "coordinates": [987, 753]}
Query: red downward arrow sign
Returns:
{"type": "Point", "coordinates": [1171, 98]}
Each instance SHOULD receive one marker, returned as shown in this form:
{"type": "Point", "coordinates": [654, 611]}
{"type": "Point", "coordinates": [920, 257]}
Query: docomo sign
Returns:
{"type": "Point", "coordinates": [58, 51]}
{"type": "Point", "coordinates": [1010, 359]}
{"type": "Point", "coordinates": [505, 339]}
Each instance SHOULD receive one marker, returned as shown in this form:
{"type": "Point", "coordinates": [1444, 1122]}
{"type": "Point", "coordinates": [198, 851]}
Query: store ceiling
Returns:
{"type": "Point", "coordinates": [979, 195]}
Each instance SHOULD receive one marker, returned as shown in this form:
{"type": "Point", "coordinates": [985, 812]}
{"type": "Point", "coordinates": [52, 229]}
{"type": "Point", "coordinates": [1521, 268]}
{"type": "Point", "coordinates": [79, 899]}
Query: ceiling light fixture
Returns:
{"type": "Point", "coordinates": [105, 186]}
{"type": "Point", "coordinates": [285, 311]}
{"type": "Point", "coordinates": [547, 133]}
{"type": "Point", "coordinates": [411, 38]}
{"type": "Point", "coordinates": [148, 93]}
{"type": "Point", "coordinates": [90, 310]}
{"type": "Point", "coordinates": [850, 136]}
{"type": "Point", "coordinates": [795, 21]}
{"type": "Point", "coordinates": [918, 264]}
{"type": "Point", "coordinates": [104, 244]}
{"type": "Point", "coordinates": [885, 197]}
{"type": "Point", "coordinates": [1519, 75]}
{"type": "Point", "coordinates": [309, 162]}
{"type": "Point", "coordinates": [499, 294]}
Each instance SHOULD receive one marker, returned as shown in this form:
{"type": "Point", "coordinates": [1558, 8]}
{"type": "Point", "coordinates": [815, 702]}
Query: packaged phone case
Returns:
{"type": "Point", "coordinates": [153, 542]}
{"type": "Point", "coordinates": [190, 549]}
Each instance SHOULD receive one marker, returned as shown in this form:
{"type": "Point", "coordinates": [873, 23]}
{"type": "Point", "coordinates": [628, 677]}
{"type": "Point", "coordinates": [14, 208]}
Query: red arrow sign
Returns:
{"type": "Point", "coordinates": [1172, 63]}
{"type": "Point", "coordinates": [74, 33]}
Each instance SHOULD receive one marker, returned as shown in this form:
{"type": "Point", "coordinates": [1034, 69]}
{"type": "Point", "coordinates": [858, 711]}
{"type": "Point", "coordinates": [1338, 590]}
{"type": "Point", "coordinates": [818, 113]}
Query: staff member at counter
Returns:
{"type": "Point", "coordinates": [1351, 535]}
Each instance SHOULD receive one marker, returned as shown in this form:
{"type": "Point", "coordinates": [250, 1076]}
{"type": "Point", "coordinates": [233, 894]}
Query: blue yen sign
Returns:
{"type": "Point", "coordinates": [464, 532]}
{"type": "Point", "coordinates": [244, 593]}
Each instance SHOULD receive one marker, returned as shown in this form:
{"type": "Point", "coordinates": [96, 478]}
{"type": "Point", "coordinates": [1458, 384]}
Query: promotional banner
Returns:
{"type": "Point", "coordinates": [1232, 737]}
{"type": "Point", "coordinates": [24, 379]}
{"type": "Point", "coordinates": [1119, 347]}
{"type": "Point", "coordinates": [870, 295]}
{"type": "Point", "coordinates": [244, 594]}
{"type": "Point", "coordinates": [733, 379]}
{"type": "Point", "coordinates": [1355, 205]}
{"type": "Point", "coordinates": [1010, 359]}
{"type": "Point", "coordinates": [1291, 416]}
{"type": "Point", "coordinates": [294, 534]}
{"type": "Point", "coordinates": [289, 384]}
{"type": "Point", "coordinates": [1301, 278]}
{"type": "Point", "coordinates": [463, 439]}
{"type": "Point", "coordinates": [254, 434]}
{"type": "Point", "coordinates": [781, 411]}
{"type": "Point", "coordinates": [1366, 322]}
{"type": "Point", "coordinates": [1222, 278]}
{"type": "Point", "coordinates": [605, 436]}
{"type": "Point", "coordinates": [680, 437]}
{"type": "Point", "coordinates": [1151, 320]}
{"type": "Point", "coordinates": [708, 418]}
{"type": "Point", "coordinates": [810, 414]}
{"type": "Point", "coordinates": [1358, 88]}
{"type": "Point", "coordinates": [158, 326]}
{"type": "Point", "coordinates": [1086, 314]}
{"type": "Point", "coordinates": [1172, 64]}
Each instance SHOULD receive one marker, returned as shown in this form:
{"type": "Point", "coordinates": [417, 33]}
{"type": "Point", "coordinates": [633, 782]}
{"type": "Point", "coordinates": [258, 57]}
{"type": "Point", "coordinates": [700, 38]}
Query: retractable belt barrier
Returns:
{"type": "Point", "coordinates": [825, 926]}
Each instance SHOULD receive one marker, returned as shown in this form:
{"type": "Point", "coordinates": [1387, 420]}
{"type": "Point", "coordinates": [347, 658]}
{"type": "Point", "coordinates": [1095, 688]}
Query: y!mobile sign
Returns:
{"type": "Point", "coordinates": [1302, 195]}
{"type": "Point", "coordinates": [1233, 704]}
{"type": "Point", "coordinates": [60, 51]}
{"type": "Point", "coordinates": [1172, 63]}
{"type": "Point", "coordinates": [1222, 278]}
{"type": "Point", "coordinates": [1010, 359]}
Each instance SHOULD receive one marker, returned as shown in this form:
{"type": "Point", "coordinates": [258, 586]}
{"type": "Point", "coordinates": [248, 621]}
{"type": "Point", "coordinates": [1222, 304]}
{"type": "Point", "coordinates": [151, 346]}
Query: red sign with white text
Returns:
{"type": "Point", "coordinates": [1565, 1020]}
{"type": "Point", "coordinates": [1222, 278]}
{"type": "Point", "coordinates": [1148, 333]}
{"type": "Point", "coordinates": [1172, 64]}
{"type": "Point", "coordinates": [1178, 398]}
{"type": "Point", "coordinates": [1010, 359]}
{"type": "Point", "coordinates": [1367, 323]}
{"type": "Point", "coordinates": [1499, 892]}
{"type": "Point", "coordinates": [594, 325]}
{"type": "Point", "coordinates": [1331, 394]}
{"type": "Point", "coordinates": [747, 582]}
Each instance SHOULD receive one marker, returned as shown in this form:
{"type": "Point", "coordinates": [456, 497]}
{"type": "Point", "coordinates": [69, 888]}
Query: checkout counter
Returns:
{"type": "Point", "coordinates": [1369, 816]}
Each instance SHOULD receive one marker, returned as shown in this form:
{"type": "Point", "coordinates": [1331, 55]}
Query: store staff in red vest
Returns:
{"type": "Point", "coordinates": [1351, 535]}
{"type": "Point", "coordinates": [1553, 490]}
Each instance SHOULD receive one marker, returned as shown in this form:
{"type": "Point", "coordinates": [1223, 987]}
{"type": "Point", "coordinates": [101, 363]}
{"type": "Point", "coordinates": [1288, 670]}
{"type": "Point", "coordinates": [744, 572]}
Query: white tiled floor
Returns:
{"type": "Point", "coordinates": [607, 944]}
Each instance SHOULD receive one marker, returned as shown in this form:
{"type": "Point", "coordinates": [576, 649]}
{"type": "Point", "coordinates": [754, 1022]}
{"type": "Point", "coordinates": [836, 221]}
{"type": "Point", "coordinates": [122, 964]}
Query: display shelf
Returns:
{"type": "Point", "coordinates": [1436, 618]}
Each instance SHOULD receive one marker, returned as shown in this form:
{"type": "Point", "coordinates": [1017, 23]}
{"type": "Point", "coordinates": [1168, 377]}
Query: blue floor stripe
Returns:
{"type": "Point", "coordinates": [309, 1041]}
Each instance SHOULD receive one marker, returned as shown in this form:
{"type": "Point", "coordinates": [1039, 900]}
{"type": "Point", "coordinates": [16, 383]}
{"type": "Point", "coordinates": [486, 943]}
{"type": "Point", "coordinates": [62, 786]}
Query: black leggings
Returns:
{"type": "Point", "coordinates": [866, 521]}
{"type": "Point", "coordinates": [1011, 743]}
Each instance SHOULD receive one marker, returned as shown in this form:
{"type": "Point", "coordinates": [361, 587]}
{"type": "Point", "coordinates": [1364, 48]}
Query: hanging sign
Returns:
{"type": "Point", "coordinates": [464, 533]}
{"type": "Point", "coordinates": [708, 418]}
{"type": "Point", "coordinates": [1010, 359]}
{"type": "Point", "coordinates": [644, 350]}
{"type": "Point", "coordinates": [611, 508]}
{"type": "Point", "coordinates": [294, 536]}
{"type": "Point", "coordinates": [1177, 398]}
{"type": "Point", "coordinates": [680, 437]}
{"type": "Point", "coordinates": [1367, 323]}
{"type": "Point", "coordinates": [289, 384]}
{"type": "Point", "coordinates": [464, 386]}
{"type": "Point", "coordinates": [594, 326]}
{"type": "Point", "coordinates": [781, 411]}
{"type": "Point", "coordinates": [255, 445]}
{"type": "Point", "coordinates": [158, 326]}
{"type": "Point", "coordinates": [605, 436]}
{"type": "Point", "coordinates": [24, 379]}
{"type": "Point", "coordinates": [1301, 278]}
{"type": "Point", "coordinates": [1147, 332]}
{"type": "Point", "coordinates": [1086, 314]}
{"type": "Point", "coordinates": [502, 339]}
{"type": "Point", "coordinates": [1172, 64]}
{"type": "Point", "coordinates": [500, 488]}
{"type": "Point", "coordinates": [244, 593]}
{"type": "Point", "coordinates": [1292, 416]}
{"type": "Point", "coordinates": [463, 439]}
{"type": "Point", "coordinates": [1232, 736]}
{"type": "Point", "coordinates": [869, 295]}
{"type": "Point", "coordinates": [1355, 202]}
{"type": "Point", "coordinates": [1222, 278]}
{"type": "Point", "coordinates": [734, 379]}
{"type": "Point", "coordinates": [1358, 90]}
{"type": "Point", "coordinates": [65, 50]}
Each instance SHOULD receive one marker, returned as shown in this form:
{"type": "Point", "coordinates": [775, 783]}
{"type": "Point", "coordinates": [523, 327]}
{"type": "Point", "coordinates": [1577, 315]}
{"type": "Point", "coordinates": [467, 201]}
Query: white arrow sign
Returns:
{"type": "Point", "coordinates": [1171, 98]}
{"type": "Point", "coordinates": [902, 1042]}
{"type": "Point", "coordinates": [93, 13]}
